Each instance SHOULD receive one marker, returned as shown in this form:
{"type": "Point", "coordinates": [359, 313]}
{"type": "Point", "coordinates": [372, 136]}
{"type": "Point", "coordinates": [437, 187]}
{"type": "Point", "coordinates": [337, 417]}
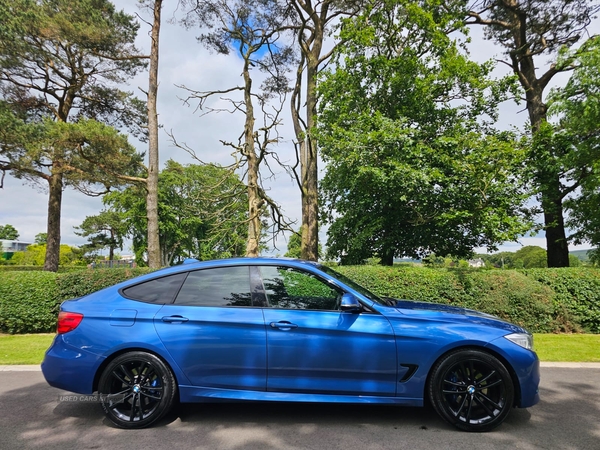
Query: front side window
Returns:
{"type": "Point", "coordinates": [288, 288]}
{"type": "Point", "coordinates": [221, 286]}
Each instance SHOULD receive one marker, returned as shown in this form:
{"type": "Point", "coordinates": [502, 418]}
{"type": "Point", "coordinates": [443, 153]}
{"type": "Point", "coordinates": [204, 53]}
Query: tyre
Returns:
{"type": "Point", "coordinates": [136, 390]}
{"type": "Point", "coordinates": [471, 390]}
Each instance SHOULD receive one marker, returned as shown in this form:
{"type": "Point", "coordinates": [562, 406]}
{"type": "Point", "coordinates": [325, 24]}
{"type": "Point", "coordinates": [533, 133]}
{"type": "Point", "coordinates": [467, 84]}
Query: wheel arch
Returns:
{"type": "Point", "coordinates": [123, 351]}
{"type": "Point", "coordinates": [513, 375]}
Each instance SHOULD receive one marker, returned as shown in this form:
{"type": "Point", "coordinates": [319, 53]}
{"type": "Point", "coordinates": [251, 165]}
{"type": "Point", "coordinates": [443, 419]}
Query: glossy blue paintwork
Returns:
{"type": "Point", "coordinates": [331, 352]}
{"type": "Point", "coordinates": [381, 355]}
{"type": "Point", "coordinates": [217, 347]}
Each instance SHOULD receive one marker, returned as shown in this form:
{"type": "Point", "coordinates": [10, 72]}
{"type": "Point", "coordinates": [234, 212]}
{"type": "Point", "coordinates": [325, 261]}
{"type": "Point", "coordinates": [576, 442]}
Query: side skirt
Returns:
{"type": "Point", "coordinates": [195, 394]}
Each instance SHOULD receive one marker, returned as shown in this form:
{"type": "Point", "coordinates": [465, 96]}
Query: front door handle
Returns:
{"type": "Point", "coordinates": [283, 325]}
{"type": "Point", "coordinates": [175, 319]}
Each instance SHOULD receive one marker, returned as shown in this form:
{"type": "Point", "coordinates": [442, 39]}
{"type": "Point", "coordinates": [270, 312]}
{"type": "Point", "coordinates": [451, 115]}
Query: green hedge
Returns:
{"type": "Point", "coordinates": [29, 300]}
{"type": "Point", "coordinates": [80, 283]}
{"type": "Point", "coordinates": [13, 268]}
{"type": "Point", "coordinates": [576, 299]}
{"type": "Point", "coordinates": [508, 294]}
{"type": "Point", "coordinates": [542, 300]}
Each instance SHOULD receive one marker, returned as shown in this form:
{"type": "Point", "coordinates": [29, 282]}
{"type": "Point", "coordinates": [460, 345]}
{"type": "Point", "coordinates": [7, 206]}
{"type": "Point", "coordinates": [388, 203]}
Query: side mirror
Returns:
{"type": "Point", "coordinates": [350, 303]}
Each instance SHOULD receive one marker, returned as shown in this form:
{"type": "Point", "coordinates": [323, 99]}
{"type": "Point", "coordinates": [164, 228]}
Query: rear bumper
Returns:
{"type": "Point", "coordinates": [69, 368]}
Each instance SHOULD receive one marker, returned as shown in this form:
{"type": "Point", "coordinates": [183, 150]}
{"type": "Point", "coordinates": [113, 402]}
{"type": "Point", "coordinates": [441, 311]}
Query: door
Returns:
{"type": "Point", "coordinates": [313, 347]}
{"type": "Point", "coordinates": [213, 332]}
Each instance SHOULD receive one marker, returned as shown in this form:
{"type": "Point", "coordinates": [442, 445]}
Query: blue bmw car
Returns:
{"type": "Point", "coordinates": [284, 330]}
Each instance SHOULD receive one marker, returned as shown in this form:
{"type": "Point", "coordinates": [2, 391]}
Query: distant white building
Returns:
{"type": "Point", "coordinates": [477, 263]}
{"type": "Point", "coordinates": [14, 246]}
{"type": "Point", "coordinates": [8, 247]}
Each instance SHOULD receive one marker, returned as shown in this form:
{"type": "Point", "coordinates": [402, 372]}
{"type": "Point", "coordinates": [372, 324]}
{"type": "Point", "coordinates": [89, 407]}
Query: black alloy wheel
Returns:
{"type": "Point", "coordinates": [471, 390]}
{"type": "Point", "coordinates": [136, 390]}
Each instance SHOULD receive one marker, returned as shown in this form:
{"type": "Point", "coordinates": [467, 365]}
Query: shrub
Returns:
{"type": "Point", "coordinates": [514, 297]}
{"type": "Point", "coordinates": [29, 302]}
{"type": "Point", "coordinates": [576, 296]}
{"type": "Point", "coordinates": [509, 295]}
{"type": "Point", "coordinates": [79, 283]}
{"type": "Point", "coordinates": [542, 300]}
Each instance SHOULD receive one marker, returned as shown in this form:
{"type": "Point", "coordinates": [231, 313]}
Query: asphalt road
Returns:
{"type": "Point", "coordinates": [31, 416]}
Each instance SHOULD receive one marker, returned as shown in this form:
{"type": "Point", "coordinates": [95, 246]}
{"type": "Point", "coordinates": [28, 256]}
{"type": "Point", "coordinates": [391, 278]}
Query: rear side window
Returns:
{"type": "Point", "coordinates": [159, 290]}
{"type": "Point", "coordinates": [222, 286]}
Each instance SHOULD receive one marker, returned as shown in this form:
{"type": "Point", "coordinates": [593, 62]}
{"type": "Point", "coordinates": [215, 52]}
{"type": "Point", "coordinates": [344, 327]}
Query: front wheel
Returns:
{"type": "Point", "coordinates": [471, 390]}
{"type": "Point", "coordinates": [136, 389]}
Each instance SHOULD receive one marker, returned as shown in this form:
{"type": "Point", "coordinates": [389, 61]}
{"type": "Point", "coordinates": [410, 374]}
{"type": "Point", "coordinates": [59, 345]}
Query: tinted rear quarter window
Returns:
{"type": "Point", "coordinates": [159, 290]}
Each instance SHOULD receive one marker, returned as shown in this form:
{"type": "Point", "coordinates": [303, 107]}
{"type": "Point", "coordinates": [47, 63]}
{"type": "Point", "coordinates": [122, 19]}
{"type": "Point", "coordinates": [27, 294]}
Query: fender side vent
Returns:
{"type": "Point", "coordinates": [411, 369]}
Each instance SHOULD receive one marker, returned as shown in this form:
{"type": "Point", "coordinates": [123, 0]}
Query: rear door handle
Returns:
{"type": "Point", "coordinates": [283, 325]}
{"type": "Point", "coordinates": [175, 319]}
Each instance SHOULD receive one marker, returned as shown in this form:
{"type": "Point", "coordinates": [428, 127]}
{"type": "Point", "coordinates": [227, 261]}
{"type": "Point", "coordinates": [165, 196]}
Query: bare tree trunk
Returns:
{"type": "Point", "coordinates": [154, 256]}
{"type": "Point", "coordinates": [255, 201]}
{"type": "Point", "coordinates": [55, 187]}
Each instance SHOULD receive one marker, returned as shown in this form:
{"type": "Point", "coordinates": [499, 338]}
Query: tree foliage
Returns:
{"type": "Point", "coordinates": [201, 212]}
{"type": "Point", "coordinates": [60, 63]}
{"type": "Point", "coordinates": [105, 230]}
{"type": "Point", "coordinates": [576, 133]}
{"type": "Point", "coordinates": [530, 31]}
{"type": "Point", "coordinates": [8, 232]}
{"type": "Point", "coordinates": [35, 255]}
{"type": "Point", "coordinates": [410, 168]}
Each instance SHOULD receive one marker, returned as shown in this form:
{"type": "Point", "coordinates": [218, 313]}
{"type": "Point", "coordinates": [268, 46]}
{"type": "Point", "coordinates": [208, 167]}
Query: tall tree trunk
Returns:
{"type": "Point", "coordinates": [518, 24]}
{"type": "Point", "coordinates": [154, 256]}
{"type": "Point", "coordinates": [255, 201]}
{"type": "Point", "coordinates": [111, 248]}
{"type": "Point", "coordinates": [309, 170]}
{"type": "Point", "coordinates": [55, 187]}
{"type": "Point", "coordinates": [311, 47]}
{"type": "Point", "coordinates": [387, 257]}
{"type": "Point", "coordinates": [548, 180]}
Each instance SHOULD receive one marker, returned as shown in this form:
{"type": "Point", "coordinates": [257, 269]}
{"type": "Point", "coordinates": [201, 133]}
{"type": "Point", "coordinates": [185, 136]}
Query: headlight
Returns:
{"type": "Point", "coordinates": [521, 339]}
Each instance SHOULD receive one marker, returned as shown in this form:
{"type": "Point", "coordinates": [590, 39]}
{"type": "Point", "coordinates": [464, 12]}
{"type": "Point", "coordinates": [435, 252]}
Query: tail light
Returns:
{"type": "Point", "coordinates": [68, 321]}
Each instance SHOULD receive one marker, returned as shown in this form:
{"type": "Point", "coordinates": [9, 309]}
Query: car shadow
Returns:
{"type": "Point", "coordinates": [33, 415]}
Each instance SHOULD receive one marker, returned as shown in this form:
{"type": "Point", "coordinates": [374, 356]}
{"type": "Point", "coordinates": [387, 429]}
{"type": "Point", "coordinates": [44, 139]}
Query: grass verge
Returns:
{"type": "Point", "coordinates": [567, 347]}
{"type": "Point", "coordinates": [30, 348]}
{"type": "Point", "coordinates": [24, 348]}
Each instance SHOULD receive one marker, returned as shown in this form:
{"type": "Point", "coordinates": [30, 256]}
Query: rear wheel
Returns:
{"type": "Point", "coordinates": [471, 390]}
{"type": "Point", "coordinates": [137, 389]}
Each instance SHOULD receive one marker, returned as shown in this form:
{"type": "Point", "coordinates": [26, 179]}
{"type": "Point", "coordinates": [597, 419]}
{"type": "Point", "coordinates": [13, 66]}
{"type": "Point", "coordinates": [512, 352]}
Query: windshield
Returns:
{"type": "Point", "coordinates": [357, 287]}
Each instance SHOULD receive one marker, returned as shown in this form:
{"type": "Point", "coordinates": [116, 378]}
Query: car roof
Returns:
{"type": "Point", "coordinates": [192, 264]}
